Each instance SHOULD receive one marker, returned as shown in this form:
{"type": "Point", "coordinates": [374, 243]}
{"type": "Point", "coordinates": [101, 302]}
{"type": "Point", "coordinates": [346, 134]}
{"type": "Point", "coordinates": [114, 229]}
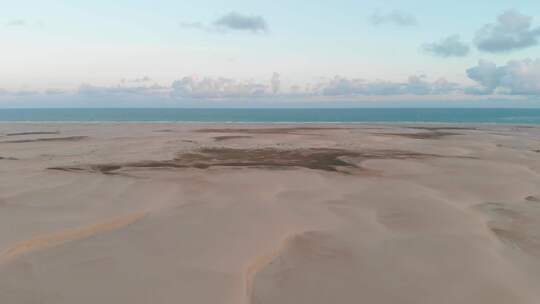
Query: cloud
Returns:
{"type": "Point", "coordinates": [89, 90]}
{"type": "Point", "coordinates": [275, 83]}
{"type": "Point", "coordinates": [137, 80]}
{"type": "Point", "coordinates": [511, 31]}
{"type": "Point", "coordinates": [194, 25]}
{"type": "Point", "coordinates": [395, 17]}
{"type": "Point", "coordinates": [514, 78]}
{"type": "Point", "coordinates": [230, 22]}
{"type": "Point", "coordinates": [54, 92]}
{"type": "Point", "coordinates": [415, 85]}
{"type": "Point", "coordinates": [517, 80]}
{"type": "Point", "coordinates": [17, 22]}
{"type": "Point", "coordinates": [238, 22]}
{"type": "Point", "coordinates": [216, 88]}
{"type": "Point", "coordinates": [450, 46]}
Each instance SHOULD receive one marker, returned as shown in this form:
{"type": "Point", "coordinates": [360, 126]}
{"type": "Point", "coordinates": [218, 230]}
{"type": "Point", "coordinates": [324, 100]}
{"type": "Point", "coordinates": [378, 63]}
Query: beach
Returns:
{"type": "Point", "coordinates": [269, 213]}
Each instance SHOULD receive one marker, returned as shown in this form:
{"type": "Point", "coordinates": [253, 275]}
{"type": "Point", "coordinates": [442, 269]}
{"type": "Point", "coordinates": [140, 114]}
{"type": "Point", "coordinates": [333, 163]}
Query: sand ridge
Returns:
{"type": "Point", "coordinates": [46, 241]}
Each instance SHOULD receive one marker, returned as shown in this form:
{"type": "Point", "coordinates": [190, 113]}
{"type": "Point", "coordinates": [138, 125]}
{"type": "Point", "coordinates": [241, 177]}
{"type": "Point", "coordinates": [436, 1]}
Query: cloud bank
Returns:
{"type": "Point", "coordinates": [448, 47]}
{"type": "Point", "coordinates": [415, 85]}
{"type": "Point", "coordinates": [512, 31]}
{"type": "Point", "coordinates": [518, 79]}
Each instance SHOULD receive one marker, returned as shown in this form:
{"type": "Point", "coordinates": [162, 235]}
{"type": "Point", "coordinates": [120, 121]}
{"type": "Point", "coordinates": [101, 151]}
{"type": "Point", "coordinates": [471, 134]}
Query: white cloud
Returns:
{"type": "Point", "coordinates": [395, 17]}
{"type": "Point", "coordinates": [511, 31]}
{"type": "Point", "coordinates": [215, 88]}
{"type": "Point", "coordinates": [516, 77]}
{"type": "Point", "coordinates": [415, 85]}
{"type": "Point", "coordinates": [448, 47]}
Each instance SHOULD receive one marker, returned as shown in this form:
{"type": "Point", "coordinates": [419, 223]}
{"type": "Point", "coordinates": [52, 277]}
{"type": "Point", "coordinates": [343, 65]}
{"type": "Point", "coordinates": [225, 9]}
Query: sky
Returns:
{"type": "Point", "coordinates": [269, 53]}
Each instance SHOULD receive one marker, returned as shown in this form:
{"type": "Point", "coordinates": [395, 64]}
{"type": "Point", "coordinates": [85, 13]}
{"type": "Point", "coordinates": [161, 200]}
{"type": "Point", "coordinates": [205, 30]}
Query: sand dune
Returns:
{"type": "Point", "coordinates": [169, 213]}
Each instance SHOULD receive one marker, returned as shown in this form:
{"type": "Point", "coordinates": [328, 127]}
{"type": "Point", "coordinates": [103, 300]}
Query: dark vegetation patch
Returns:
{"type": "Point", "coordinates": [70, 138]}
{"type": "Point", "coordinates": [424, 135]}
{"type": "Point", "coordinates": [104, 169]}
{"type": "Point", "coordinates": [333, 160]}
{"type": "Point", "coordinates": [532, 199]}
{"type": "Point", "coordinates": [8, 158]}
{"type": "Point", "coordinates": [32, 133]}
{"type": "Point", "coordinates": [224, 138]}
{"type": "Point", "coordinates": [268, 130]}
{"type": "Point", "coordinates": [443, 128]}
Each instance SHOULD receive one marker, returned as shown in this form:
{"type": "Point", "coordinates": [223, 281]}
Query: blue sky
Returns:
{"type": "Point", "coordinates": [86, 53]}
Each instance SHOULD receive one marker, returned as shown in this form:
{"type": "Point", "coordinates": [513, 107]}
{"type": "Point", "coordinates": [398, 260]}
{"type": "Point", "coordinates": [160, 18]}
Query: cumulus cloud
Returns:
{"type": "Point", "coordinates": [395, 17]}
{"type": "Point", "coordinates": [515, 78]}
{"type": "Point", "coordinates": [511, 31]}
{"type": "Point", "coordinates": [415, 85]}
{"type": "Point", "coordinates": [448, 47]}
{"type": "Point", "coordinates": [215, 88]}
{"type": "Point", "coordinates": [239, 22]}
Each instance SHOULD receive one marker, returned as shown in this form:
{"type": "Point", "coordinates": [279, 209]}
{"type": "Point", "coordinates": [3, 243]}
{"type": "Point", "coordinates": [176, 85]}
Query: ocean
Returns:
{"type": "Point", "coordinates": [356, 115]}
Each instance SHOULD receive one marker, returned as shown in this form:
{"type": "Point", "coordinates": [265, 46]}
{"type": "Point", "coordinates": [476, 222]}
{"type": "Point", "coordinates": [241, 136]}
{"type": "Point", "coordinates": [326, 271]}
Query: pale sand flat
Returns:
{"type": "Point", "coordinates": [261, 216]}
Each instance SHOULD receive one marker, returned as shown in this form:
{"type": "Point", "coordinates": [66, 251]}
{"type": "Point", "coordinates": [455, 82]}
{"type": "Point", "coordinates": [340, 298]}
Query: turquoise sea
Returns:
{"type": "Point", "coordinates": [356, 115]}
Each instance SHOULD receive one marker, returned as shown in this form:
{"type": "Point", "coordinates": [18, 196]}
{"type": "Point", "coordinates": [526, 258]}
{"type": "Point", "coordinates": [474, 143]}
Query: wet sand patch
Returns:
{"type": "Point", "coordinates": [232, 137]}
{"type": "Point", "coordinates": [49, 139]}
{"type": "Point", "coordinates": [32, 133]}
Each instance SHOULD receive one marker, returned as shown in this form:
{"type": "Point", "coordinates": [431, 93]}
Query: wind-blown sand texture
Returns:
{"type": "Point", "coordinates": [192, 213]}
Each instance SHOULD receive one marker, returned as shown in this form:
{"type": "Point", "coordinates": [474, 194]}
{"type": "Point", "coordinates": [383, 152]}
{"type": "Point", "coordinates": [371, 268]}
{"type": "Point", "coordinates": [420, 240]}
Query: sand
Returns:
{"type": "Point", "coordinates": [209, 213]}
